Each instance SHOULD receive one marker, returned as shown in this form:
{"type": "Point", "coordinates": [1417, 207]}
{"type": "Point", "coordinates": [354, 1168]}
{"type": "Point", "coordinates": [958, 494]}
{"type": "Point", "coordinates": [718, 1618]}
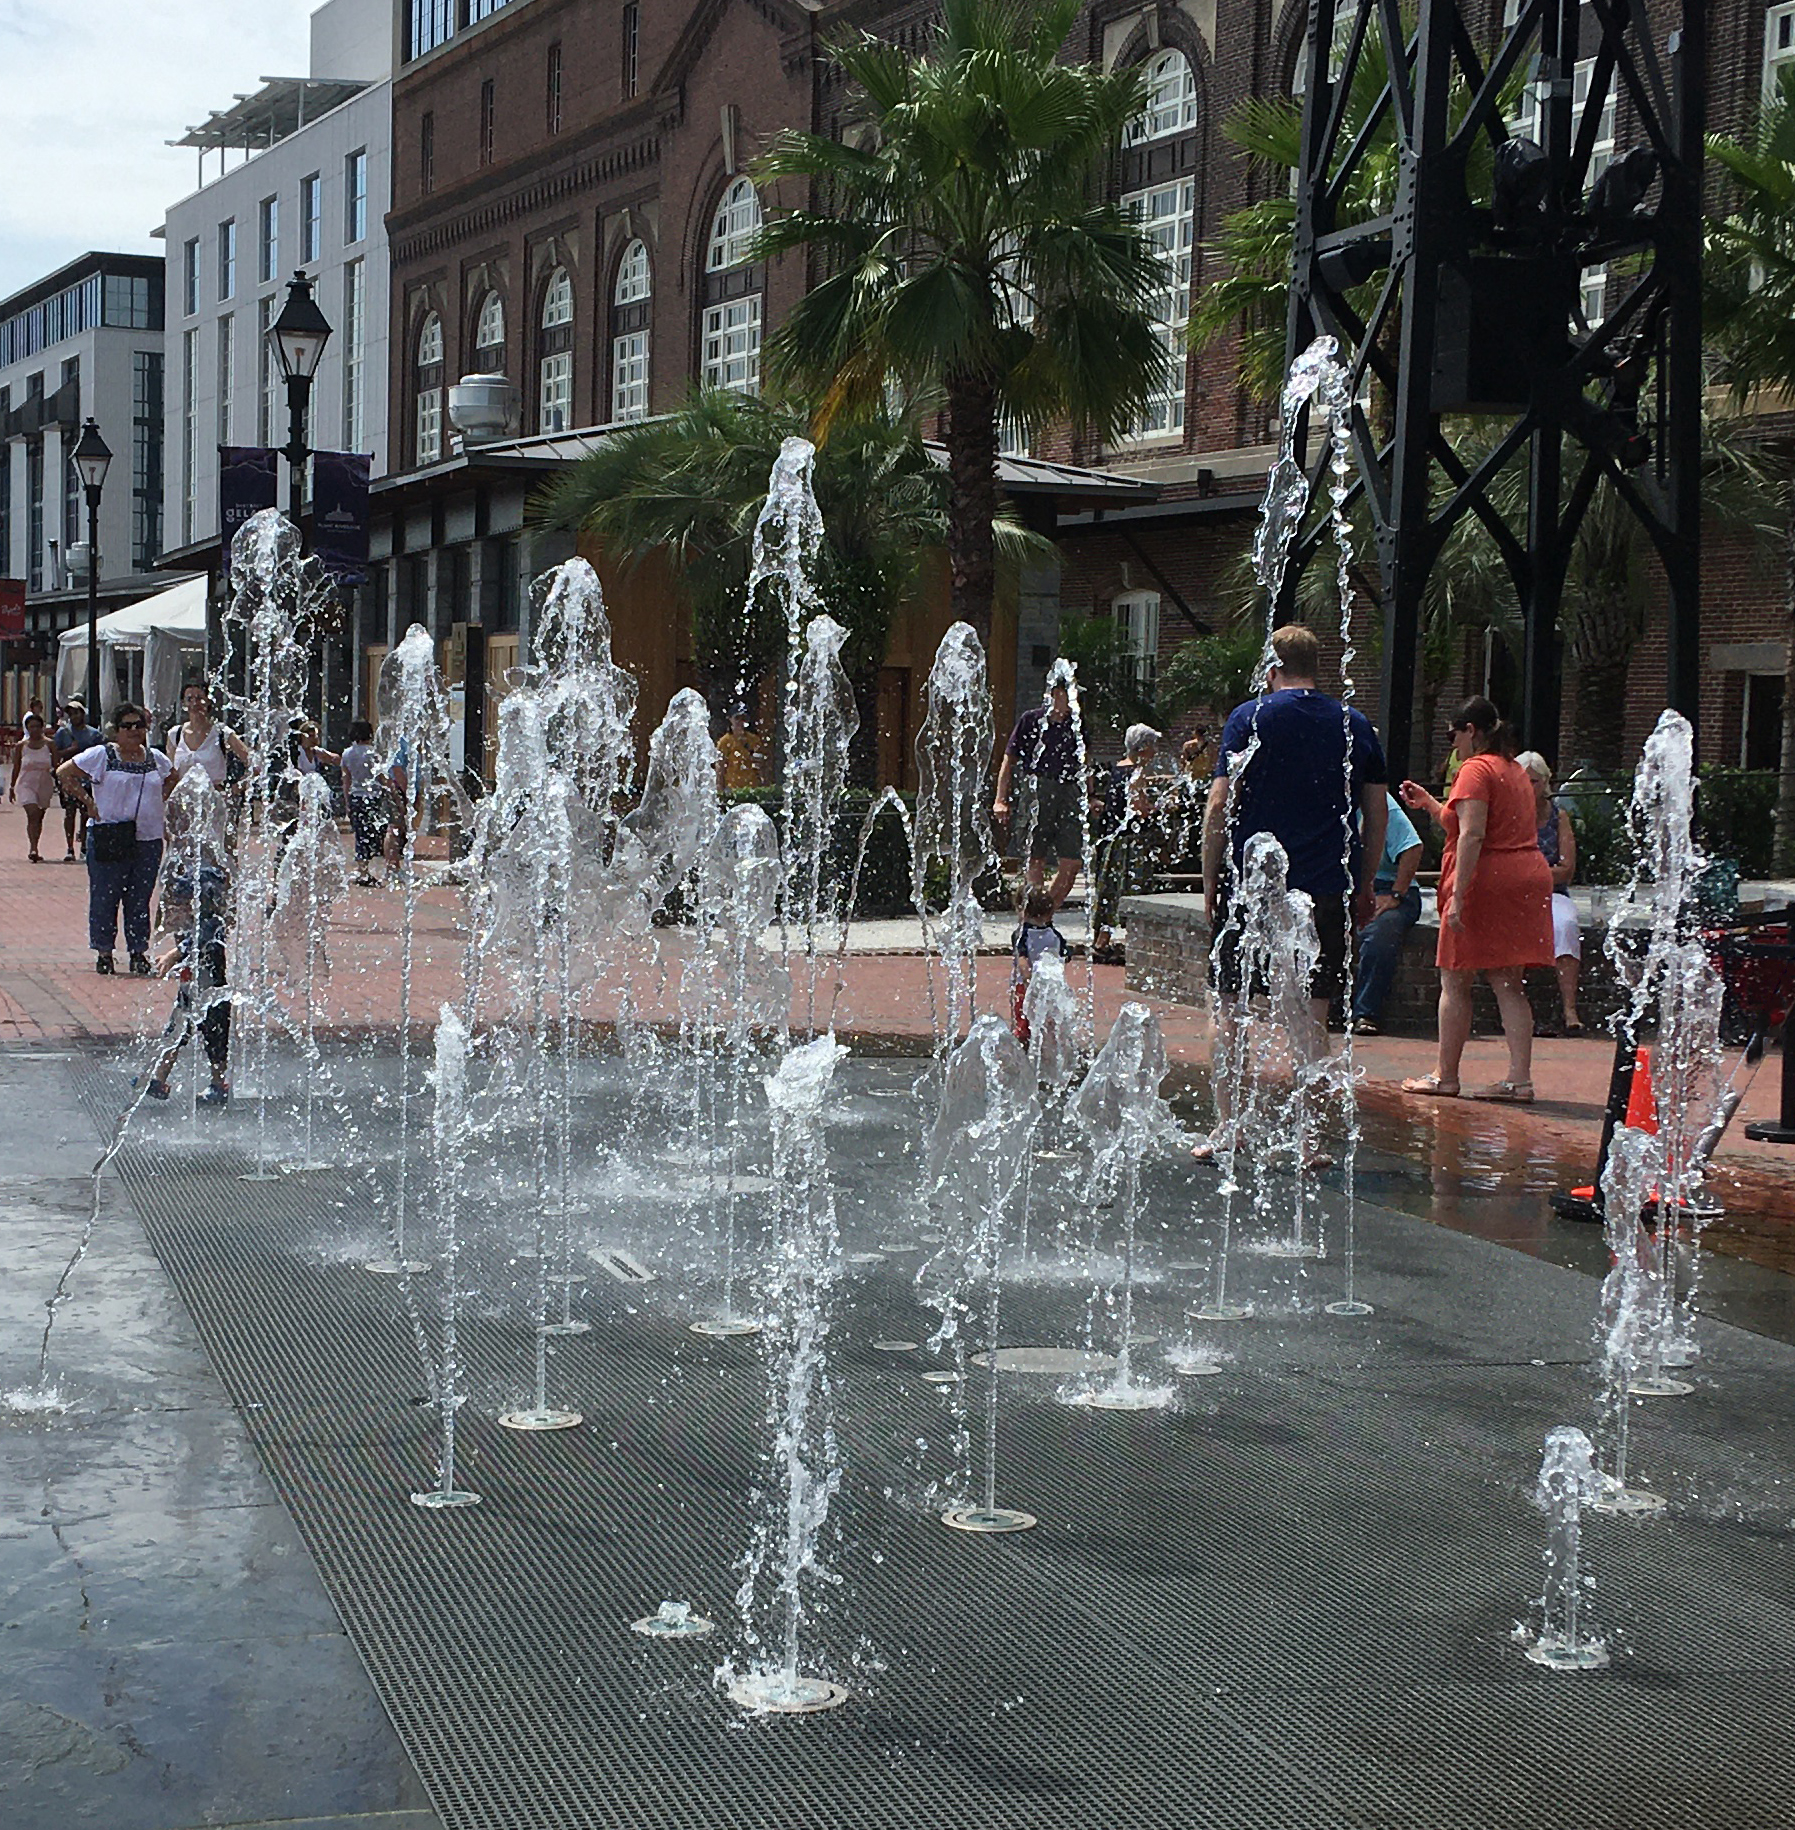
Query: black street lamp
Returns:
{"type": "Point", "coordinates": [92, 458]}
{"type": "Point", "coordinates": [297, 339]}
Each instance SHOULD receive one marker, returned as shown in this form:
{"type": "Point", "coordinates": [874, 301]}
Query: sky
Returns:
{"type": "Point", "coordinates": [91, 89]}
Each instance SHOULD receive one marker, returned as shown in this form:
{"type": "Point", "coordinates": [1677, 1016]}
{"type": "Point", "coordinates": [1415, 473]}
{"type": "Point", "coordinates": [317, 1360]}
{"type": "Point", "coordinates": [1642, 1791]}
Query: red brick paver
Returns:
{"type": "Point", "coordinates": [49, 992]}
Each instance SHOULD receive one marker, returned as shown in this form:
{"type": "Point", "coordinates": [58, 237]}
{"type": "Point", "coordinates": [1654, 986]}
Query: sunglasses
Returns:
{"type": "Point", "coordinates": [132, 724]}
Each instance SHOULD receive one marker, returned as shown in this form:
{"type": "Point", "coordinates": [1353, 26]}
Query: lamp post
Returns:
{"type": "Point", "coordinates": [92, 458]}
{"type": "Point", "coordinates": [297, 338]}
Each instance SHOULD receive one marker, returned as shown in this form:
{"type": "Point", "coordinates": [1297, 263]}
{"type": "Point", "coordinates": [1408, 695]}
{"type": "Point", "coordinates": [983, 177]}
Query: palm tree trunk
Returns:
{"type": "Point", "coordinates": [1782, 857]}
{"type": "Point", "coordinates": [1604, 651]}
{"type": "Point", "coordinates": [972, 498]}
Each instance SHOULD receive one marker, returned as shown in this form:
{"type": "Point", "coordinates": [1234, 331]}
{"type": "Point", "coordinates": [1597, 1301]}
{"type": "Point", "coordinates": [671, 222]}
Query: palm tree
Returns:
{"type": "Point", "coordinates": [965, 254]}
{"type": "Point", "coordinates": [692, 484]}
{"type": "Point", "coordinates": [1751, 310]}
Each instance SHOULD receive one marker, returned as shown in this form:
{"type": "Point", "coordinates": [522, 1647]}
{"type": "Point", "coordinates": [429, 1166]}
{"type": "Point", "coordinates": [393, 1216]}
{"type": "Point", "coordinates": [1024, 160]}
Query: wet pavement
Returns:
{"type": "Point", "coordinates": [168, 1656]}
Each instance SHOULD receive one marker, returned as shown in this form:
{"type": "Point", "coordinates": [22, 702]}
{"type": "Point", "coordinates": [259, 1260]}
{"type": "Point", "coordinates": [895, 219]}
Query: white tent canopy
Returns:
{"type": "Point", "coordinates": [168, 630]}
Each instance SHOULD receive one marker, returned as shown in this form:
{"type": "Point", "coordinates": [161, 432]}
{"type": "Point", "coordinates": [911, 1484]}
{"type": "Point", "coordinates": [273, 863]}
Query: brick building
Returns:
{"type": "Point", "coordinates": [570, 211]}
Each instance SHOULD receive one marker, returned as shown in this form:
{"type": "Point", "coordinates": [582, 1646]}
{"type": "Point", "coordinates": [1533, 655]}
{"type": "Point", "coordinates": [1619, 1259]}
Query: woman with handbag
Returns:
{"type": "Point", "coordinates": [123, 785]}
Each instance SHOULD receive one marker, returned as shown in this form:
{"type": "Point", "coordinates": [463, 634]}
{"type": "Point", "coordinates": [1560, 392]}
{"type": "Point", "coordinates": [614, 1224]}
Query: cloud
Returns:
{"type": "Point", "coordinates": [93, 92]}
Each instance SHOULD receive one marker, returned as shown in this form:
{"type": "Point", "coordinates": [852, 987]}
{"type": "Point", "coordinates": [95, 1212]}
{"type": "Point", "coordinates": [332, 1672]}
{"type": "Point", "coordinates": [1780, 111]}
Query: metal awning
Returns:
{"type": "Point", "coordinates": [280, 107]}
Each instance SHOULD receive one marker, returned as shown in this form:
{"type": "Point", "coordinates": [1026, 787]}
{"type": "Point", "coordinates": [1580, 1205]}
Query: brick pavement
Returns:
{"type": "Point", "coordinates": [50, 993]}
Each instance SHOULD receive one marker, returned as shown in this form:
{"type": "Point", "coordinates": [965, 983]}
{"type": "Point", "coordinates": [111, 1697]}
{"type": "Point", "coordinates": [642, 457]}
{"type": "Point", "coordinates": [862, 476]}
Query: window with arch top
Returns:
{"type": "Point", "coordinates": [631, 299]}
{"type": "Point", "coordinates": [1160, 154]}
{"type": "Point", "coordinates": [729, 345]}
{"type": "Point", "coordinates": [428, 425]}
{"type": "Point", "coordinates": [489, 336]}
{"type": "Point", "coordinates": [554, 355]}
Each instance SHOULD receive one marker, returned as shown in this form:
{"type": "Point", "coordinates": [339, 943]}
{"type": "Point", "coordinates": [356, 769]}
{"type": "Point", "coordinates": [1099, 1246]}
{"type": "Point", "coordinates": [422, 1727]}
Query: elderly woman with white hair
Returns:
{"type": "Point", "coordinates": [1558, 843]}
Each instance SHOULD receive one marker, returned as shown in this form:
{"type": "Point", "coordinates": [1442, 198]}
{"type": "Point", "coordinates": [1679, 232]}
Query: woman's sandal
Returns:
{"type": "Point", "coordinates": [1505, 1092]}
{"type": "Point", "coordinates": [1431, 1086]}
{"type": "Point", "coordinates": [1213, 1148]}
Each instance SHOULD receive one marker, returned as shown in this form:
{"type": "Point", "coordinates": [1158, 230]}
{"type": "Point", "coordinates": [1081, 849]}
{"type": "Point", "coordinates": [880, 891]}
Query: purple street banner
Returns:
{"type": "Point", "coordinates": [340, 514]}
{"type": "Point", "coordinates": [247, 483]}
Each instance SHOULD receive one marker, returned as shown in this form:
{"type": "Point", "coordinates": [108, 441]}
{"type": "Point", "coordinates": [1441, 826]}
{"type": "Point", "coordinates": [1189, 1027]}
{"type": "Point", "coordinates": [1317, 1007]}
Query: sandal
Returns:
{"type": "Point", "coordinates": [1213, 1148]}
{"type": "Point", "coordinates": [1431, 1086]}
{"type": "Point", "coordinates": [1505, 1092]}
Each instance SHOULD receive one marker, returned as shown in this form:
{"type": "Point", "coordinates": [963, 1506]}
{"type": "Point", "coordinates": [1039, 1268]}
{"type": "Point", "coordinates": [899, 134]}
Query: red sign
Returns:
{"type": "Point", "coordinates": [12, 608]}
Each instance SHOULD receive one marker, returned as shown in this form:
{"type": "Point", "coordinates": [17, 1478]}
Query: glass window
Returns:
{"type": "Point", "coordinates": [432, 23]}
{"type": "Point", "coordinates": [632, 40]}
{"type": "Point", "coordinates": [1171, 104]}
{"type": "Point", "coordinates": [355, 312]}
{"type": "Point", "coordinates": [227, 364]}
{"type": "Point", "coordinates": [227, 259]}
{"type": "Point", "coordinates": [1136, 615]}
{"type": "Point", "coordinates": [731, 345]}
{"type": "Point", "coordinates": [268, 240]}
{"type": "Point", "coordinates": [557, 300]}
{"type": "Point", "coordinates": [427, 150]}
{"type": "Point", "coordinates": [6, 570]}
{"type": "Point", "coordinates": [733, 227]}
{"type": "Point", "coordinates": [1527, 124]}
{"type": "Point", "coordinates": [311, 218]}
{"type": "Point", "coordinates": [489, 335]}
{"type": "Point", "coordinates": [633, 283]}
{"type": "Point", "coordinates": [146, 458]}
{"type": "Point", "coordinates": [189, 435]}
{"type": "Point", "coordinates": [488, 117]}
{"type": "Point", "coordinates": [268, 374]}
{"type": "Point", "coordinates": [1168, 213]}
{"type": "Point", "coordinates": [1779, 44]}
{"type": "Point", "coordinates": [556, 391]}
{"type": "Point", "coordinates": [190, 277]}
{"type": "Point", "coordinates": [553, 99]}
{"type": "Point", "coordinates": [130, 303]}
{"type": "Point", "coordinates": [355, 196]}
{"type": "Point", "coordinates": [429, 425]}
{"type": "Point", "coordinates": [34, 512]}
{"type": "Point", "coordinates": [629, 376]}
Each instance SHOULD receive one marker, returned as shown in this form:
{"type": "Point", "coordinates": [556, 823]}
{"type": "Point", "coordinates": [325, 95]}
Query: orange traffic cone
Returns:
{"type": "Point", "coordinates": [1642, 1107]}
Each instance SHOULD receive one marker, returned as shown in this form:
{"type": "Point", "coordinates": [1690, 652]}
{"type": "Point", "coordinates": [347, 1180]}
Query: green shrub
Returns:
{"type": "Point", "coordinates": [1736, 817]}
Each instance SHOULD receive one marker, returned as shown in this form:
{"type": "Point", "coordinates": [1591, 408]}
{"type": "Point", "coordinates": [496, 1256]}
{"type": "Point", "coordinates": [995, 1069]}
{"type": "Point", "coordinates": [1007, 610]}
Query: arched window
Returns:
{"type": "Point", "coordinates": [1159, 188]}
{"type": "Point", "coordinates": [1171, 104]}
{"type": "Point", "coordinates": [489, 336]}
{"type": "Point", "coordinates": [554, 355]}
{"type": "Point", "coordinates": [429, 422]}
{"type": "Point", "coordinates": [729, 351]}
{"type": "Point", "coordinates": [631, 298]}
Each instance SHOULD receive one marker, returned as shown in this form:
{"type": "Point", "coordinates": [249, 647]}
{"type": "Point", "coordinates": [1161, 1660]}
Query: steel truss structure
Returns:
{"type": "Point", "coordinates": [1465, 309]}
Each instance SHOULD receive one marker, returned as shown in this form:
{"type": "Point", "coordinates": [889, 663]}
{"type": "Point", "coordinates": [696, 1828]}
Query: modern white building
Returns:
{"type": "Point", "coordinates": [309, 193]}
{"type": "Point", "coordinates": [85, 340]}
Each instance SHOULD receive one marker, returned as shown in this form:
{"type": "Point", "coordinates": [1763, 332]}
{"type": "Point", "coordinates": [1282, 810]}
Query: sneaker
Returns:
{"type": "Point", "coordinates": [103, 965]}
{"type": "Point", "coordinates": [215, 1095]}
{"type": "Point", "coordinates": [157, 1089]}
{"type": "Point", "coordinates": [1366, 1026]}
{"type": "Point", "coordinates": [140, 966]}
{"type": "Point", "coordinates": [70, 859]}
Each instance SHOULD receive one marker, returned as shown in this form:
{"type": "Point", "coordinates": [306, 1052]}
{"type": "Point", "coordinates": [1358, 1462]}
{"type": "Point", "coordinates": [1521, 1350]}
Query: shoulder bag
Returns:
{"type": "Point", "coordinates": [114, 841]}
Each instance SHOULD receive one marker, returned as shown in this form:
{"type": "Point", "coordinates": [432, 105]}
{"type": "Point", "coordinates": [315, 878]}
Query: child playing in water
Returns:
{"type": "Point", "coordinates": [1035, 936]}
{"type": "Point", "coordinates": [193, 918]}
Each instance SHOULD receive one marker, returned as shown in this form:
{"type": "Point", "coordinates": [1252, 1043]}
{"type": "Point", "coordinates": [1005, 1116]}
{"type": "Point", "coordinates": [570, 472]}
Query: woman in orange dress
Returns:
{"type": "Point", "coordinates": [1495, 900]}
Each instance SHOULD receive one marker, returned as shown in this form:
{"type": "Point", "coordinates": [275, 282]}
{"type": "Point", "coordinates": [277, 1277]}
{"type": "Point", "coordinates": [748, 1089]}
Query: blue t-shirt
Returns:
{"type": "Point", "coordinates": [1295, 786]}
{"type": "Point", "coordinates": [1399, 835]}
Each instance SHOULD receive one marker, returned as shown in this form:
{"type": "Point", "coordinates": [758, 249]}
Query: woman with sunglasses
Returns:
{"type": "Point", "coordinates": [122, 784]}
{"type": "Point", "coordinates": [1495, 900]}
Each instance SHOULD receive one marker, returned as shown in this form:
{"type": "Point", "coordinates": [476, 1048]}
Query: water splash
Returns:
{"type": "Point", "coordinates": [1567, 1482]}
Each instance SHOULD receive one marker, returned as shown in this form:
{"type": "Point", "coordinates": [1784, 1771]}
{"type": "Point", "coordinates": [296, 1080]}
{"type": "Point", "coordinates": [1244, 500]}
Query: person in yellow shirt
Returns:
{"type": "Point", "coordinates": [741, 753]}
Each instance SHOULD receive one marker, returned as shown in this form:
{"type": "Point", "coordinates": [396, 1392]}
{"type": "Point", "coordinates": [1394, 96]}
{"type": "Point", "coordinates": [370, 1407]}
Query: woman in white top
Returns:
{"type": "Point", "coordinates": [198, 741]}
{"type": "Point", "coordinates": [33, 778]}
{"type": "Point", "coordinates": [366, 800]}
{"type": "Point", "coordinates": [122, 783]}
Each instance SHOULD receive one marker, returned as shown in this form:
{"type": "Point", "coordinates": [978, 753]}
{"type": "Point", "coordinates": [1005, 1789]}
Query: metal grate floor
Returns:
{"type": "Point", "coordinates": [1283, 1605]}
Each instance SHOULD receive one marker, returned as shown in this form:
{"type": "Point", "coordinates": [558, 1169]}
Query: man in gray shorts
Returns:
{"type": "Point", "coordinates": [1045, 752]}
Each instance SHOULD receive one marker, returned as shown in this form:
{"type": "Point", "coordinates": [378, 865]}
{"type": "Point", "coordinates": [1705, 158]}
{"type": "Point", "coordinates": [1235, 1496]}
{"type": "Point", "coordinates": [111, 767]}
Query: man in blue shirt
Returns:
{"type": "Point", "coordinates": [1398, 909]}
{"type": "Point", "coordinates": [1283, 768]}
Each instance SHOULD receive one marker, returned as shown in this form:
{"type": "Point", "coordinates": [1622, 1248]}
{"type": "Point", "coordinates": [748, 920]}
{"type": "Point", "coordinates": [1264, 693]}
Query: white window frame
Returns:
{"type": "Point", "coordinates": [311, 219]}
{"type": "Point", "coordinates": [730, 352]}
{"type": "Point", "coordinates": [189, 435]}
{"type": "Point", "coordinates": [1169, 214]}
{"type": "Point", "coordinates": [554, 391]}
{"type": "Point", "coordinates": [629, 376]}
{"type": "Point", "coordinates": [736, 222]}
{"type": "Point", "coordinates": [489, 330]}
{"type": "Point", "coordinates": [1171, 100]}
{"type": "Point", "coordinates": [268, 240]}
{"type": "Point", "coordinates": [355, 317]}
{"type": "Point", "coordinates": [557, 300]}
{"type": "Point", "coordinates": [428, 441]}
{"type": "Point", "coordinates": [190, 277]}
{"type": "Point", "coordinates": [227, 366]}
{"type": "Point", "coordinates": [635, 279]}
{"type": "Point", "coordinates": [268, 374]}
{"type": "Point", "coordinates": [1136, 614]}
{"type": "Point", "coordinates": [227, 259]}
{"type": "Point", "coordinates": [1779, 44]}
{"type": "Point", "coordinates": [355, 195]}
